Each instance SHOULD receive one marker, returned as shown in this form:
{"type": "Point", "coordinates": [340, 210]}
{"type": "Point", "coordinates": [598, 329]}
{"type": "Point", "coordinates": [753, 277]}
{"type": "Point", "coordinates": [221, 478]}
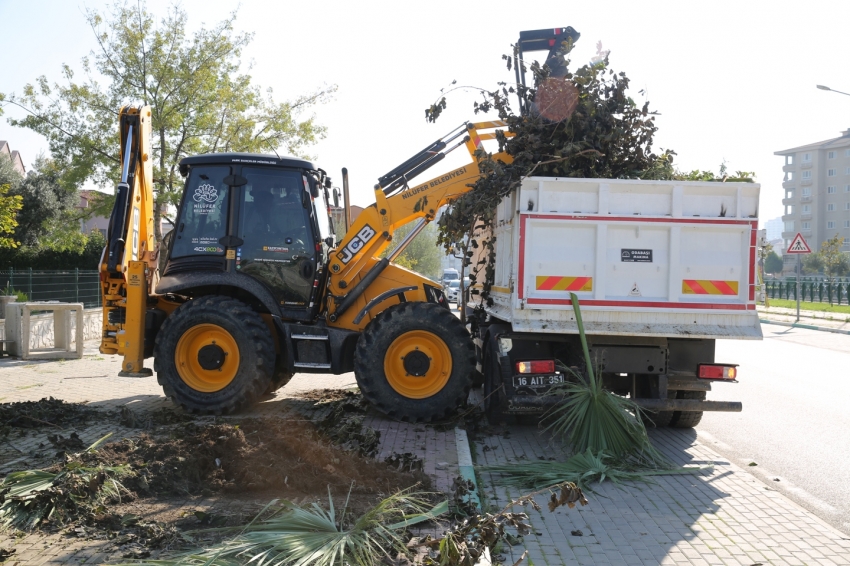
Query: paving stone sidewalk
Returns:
{"type": "Point", "coordinates": [721, 515]}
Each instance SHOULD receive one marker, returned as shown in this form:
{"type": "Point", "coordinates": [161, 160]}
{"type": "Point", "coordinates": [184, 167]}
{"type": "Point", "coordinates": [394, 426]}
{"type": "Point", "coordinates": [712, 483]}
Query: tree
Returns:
{"type": "Point", "coordinates": [422, 255]}
{"type": "Point", "coordinates": [9, 207]}
{"type": "Point", "coordinates": [10, 204]}
{"type": "Point", "coordinates": [773, 263]}
{"type": "Point", "coordinates": [201, 102]}
{"type": "Point", "coordinates": [48, 216]}
{"type": "Point", "coordinates": [813, 263]}
{"type": "Point", "coordinates": [835, 262]}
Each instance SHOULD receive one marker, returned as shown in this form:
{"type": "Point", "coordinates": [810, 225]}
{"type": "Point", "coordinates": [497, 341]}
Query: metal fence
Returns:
{"type": "Point", "coordinates": [67, 285]}
{"type": "Point", "coordinates": [813, 291]}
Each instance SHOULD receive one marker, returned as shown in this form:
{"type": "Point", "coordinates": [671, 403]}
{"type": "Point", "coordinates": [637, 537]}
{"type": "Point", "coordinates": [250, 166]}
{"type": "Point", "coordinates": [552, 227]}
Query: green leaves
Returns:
{"type": "Point", "coordinates": [201, 101]}
{"type": "Point", "coordinates": [581, 125]}
{"type": "Point", "coordinates": [313, 536]}
{"type": "Point", "coordinates": [9, 207]}
{"type": "Point", "coordinates": [582, 469]}
{"type": "Point", "coordinates": [591, 418]}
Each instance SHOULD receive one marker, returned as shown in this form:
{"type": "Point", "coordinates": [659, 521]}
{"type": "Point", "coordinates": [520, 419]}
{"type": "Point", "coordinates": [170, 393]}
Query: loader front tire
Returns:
{"type": "Point", "coordinates": [414, 362]}
{"type": "Point", "coordinates": [214, 356]}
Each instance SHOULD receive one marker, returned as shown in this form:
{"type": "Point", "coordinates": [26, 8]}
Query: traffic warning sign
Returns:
{"type": "Point", "coordinates": [798, 246]}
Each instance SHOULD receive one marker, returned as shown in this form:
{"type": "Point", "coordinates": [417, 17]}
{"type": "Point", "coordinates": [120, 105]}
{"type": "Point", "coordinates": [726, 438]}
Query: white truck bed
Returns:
{"type": "Point", "coordinates": [645, 258]}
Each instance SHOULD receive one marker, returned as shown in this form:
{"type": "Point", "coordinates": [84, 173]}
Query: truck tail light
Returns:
{"type": "Point", "coordinates": [537, 366]}
{"type": "Point", "coordinates": [717, 371]}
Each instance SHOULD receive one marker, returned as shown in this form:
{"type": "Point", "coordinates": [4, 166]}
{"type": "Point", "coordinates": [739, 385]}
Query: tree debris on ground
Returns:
{"type": "Point", "coordinates": [48, 412]}
{"type": "Point", "coordinates": [286, 533]}
{"type": "Point", "coordinates": [465, 542]}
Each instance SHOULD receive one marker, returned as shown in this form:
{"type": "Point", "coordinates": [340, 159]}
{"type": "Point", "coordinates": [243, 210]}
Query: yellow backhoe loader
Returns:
{"type": "Point", "coordinates": [254, 287]}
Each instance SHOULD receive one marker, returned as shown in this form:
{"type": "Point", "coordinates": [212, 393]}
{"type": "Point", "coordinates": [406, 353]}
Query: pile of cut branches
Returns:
{"type": "Point", "coordinates": [582, 124]}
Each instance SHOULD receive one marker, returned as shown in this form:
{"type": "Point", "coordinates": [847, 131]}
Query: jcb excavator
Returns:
{"type": "Point", "coordinates": [252, 286]}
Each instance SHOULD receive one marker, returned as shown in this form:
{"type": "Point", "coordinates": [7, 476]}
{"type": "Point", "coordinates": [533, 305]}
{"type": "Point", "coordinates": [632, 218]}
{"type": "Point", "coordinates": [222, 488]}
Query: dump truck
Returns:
{"type": "Point", "coordinates": [661, 270]}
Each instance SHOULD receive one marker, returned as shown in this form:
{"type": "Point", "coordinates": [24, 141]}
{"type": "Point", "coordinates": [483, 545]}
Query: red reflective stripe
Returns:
{"type": "Point", "coordinates": [695, 287]}
{"type": "Point", "coordinates": [578, 283]}
{"type": "Point", "coordinates": [724, 288]}
{"type": "Point", "coordinates": [549, 283]}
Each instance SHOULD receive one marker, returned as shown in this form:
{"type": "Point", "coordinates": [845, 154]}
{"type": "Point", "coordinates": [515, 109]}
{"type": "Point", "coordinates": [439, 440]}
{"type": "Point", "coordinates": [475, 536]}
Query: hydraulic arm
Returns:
{"type": "Point", "coordinates": [127, 267]}
{"type": "Point", "coordinates": [353, 266]}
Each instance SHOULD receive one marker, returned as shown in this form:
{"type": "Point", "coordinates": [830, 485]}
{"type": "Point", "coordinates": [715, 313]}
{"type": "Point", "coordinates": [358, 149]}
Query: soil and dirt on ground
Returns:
{"type": "Point", "coordinates": [48, 412]}
{"type": "Point", "coordinates": [319, 446]}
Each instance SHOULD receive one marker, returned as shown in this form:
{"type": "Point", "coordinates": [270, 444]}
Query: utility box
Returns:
{"type": "Point", "coordinates": [20, 326]}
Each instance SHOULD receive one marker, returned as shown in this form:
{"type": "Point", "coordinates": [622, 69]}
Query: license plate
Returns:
{"type": "Point", "coordinates": [537, 380]}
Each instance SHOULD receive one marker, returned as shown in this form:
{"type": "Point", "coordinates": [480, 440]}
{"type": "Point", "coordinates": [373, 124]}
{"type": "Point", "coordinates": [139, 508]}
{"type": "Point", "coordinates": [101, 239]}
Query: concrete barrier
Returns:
{"type": "Point", "coordinates": [41, 331]}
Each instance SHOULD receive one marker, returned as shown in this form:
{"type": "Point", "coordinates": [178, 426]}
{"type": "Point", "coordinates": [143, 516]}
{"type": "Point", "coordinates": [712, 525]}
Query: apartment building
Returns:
{"type": "Point", "coordinates": [816, 193]}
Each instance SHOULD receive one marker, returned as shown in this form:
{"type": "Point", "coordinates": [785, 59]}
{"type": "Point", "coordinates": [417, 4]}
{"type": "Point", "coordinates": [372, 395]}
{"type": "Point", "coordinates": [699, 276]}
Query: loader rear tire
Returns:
{"type": "Point", "coordinates": [688, 419]}
{"type": "Point", "coordinates": [214, 356]}
{"type": "Point", "coordinates": [414, 362]}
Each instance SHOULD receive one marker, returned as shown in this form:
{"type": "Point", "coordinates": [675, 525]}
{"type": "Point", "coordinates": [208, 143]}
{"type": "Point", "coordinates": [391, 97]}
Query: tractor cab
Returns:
{"type": "Point", "coordinates": [252, 216]}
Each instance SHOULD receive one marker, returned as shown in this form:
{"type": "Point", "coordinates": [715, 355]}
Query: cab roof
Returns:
{"type": "Point", "coordinates": [243, 158]}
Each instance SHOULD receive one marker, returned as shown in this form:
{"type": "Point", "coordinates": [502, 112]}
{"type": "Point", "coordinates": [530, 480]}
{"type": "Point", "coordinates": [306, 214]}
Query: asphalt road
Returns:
{"type": "Point", "coordinates": [795, 388]}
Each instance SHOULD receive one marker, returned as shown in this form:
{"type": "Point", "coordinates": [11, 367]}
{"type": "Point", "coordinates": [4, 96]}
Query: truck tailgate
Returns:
{"type": "Point", "coordinates": [651, 258]}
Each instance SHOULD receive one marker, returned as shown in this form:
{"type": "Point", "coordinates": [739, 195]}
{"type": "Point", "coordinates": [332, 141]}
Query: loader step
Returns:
{"type": "Point", "coordinates": [310, 337]}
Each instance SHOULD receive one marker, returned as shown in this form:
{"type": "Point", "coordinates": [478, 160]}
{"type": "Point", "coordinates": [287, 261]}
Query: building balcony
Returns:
{"type": "Point", "coordinates": [806, 216]}
{"type": "Point", "coordinates": [789, 201]}
{"type": "Point", "coordinates": [806, 165]}
{"type": "Point", "coordinates": [806, 182]}
{"type": "Point", "coordinates": [806, 198]}
{"type": "Point", "coordinates": [806, 233]}
{"type": "Point", "coordinates": [789, 167]}
{"type": "Point", "coordinates": [788, 184]}
{"type": "Point", "coordinates": [788, 235]}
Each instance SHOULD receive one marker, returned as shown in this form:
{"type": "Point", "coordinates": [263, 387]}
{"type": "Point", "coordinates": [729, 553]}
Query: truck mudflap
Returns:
{"type": "Point", "coordinates": [537, 403]}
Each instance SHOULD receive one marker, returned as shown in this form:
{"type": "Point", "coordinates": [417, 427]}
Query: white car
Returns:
{"type": "Point", "coordinates": [452, 290]}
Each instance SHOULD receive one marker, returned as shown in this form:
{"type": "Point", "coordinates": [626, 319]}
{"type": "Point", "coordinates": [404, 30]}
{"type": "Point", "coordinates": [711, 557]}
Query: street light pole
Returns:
{"type": "Point", "coordinates": [822, 87]}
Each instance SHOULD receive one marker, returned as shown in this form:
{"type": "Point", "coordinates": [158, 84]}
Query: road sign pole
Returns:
{"type": "Point", "coordinates": [799, 268]}
{"type": "Point", "coordinates": [798, 247]}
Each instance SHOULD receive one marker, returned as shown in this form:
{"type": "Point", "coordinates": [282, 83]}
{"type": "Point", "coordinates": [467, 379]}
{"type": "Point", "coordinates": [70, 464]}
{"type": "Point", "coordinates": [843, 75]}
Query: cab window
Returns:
{"type": "Point", "coordinates": [203, 214]}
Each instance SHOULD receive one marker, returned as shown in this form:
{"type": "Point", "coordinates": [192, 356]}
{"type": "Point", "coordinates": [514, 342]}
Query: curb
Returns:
{"type": "Point", "coordinates": [806, 326]}
{"type": "Point", "coordinates": [464, 464]}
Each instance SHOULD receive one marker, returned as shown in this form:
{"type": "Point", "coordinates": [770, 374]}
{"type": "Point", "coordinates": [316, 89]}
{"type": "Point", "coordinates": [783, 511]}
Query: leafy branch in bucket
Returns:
{"type": "Point", "coordinates": [582, 124]}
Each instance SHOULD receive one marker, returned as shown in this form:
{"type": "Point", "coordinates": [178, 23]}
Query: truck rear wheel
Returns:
{"type": "Point", "coordinates": [495, 400]}
{"type": "Point", "coordinates": [688, 419]}
{"type": "Point", "coordinates": [415, 362]}
{"type": "Point", "coordinates": [214, 355]}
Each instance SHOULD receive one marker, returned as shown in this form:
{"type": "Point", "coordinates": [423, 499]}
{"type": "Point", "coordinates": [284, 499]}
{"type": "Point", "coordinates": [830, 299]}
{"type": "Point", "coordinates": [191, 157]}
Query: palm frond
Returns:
{"type": "Point", "coordinates": [312, 536]}
{"type": "Point", "coordinates": [591, 418]}
{"type": "Point", "coordinates": [582, 469]}
{"type": "Point", "coordinates": [29, 497]}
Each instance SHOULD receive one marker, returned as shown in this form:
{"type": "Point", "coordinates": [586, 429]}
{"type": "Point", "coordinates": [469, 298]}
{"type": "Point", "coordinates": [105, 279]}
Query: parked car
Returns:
{"type": "Point", "coordinates": [452, 290]}
{"type": "Point", "coordinates": [449, 275]}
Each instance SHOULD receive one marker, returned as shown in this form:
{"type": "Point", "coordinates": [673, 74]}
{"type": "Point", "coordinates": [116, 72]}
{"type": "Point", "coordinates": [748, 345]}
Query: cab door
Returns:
{"type": "Point", "coordinates": [278, 243]}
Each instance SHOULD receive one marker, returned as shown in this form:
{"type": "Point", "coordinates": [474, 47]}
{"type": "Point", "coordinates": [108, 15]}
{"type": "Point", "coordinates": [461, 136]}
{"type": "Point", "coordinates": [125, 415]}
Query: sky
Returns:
{"type": "Point", "coordinates": [733, 81]}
